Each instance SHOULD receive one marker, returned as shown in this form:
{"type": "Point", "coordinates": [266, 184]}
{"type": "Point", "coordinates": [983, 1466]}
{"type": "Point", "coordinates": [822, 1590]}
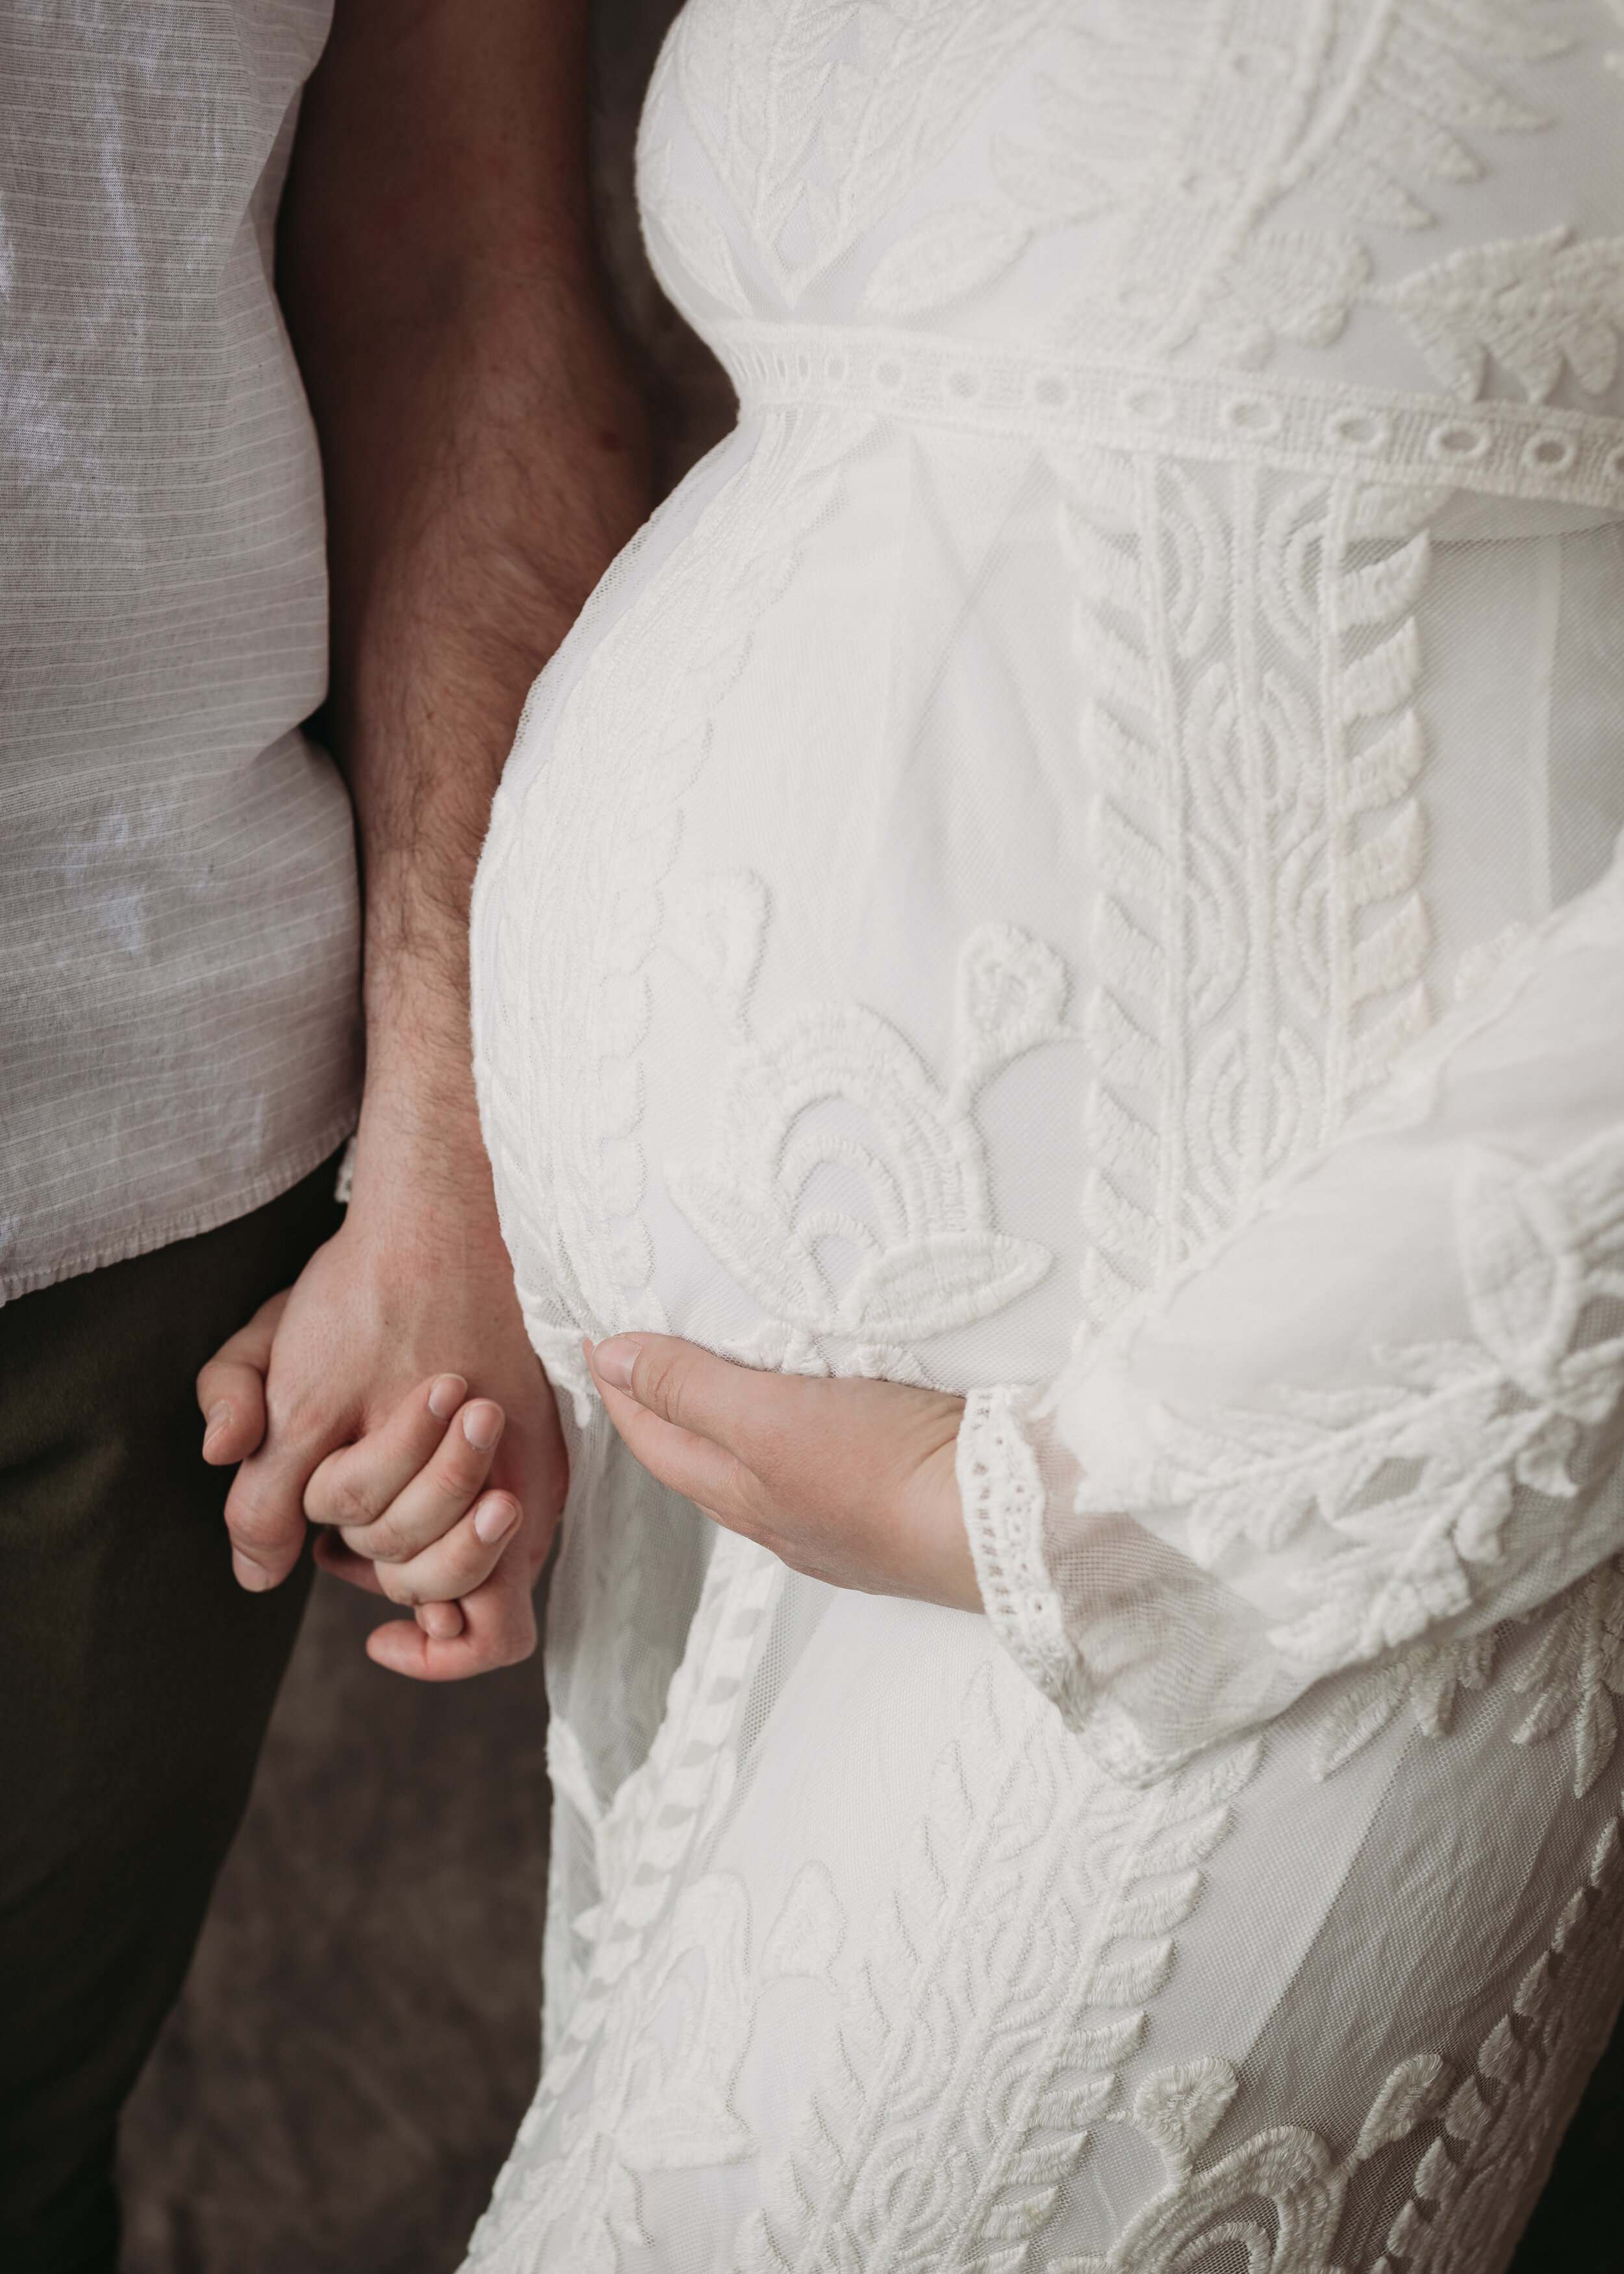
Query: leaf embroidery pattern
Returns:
{"type": "Point", "coordinates": [1532, 305]}
{"type": "Point", "coordinates": [1577, 1671]}
{"type": "Point", "coordinates": [818, 115]}
{"type": "Point", "coordinates": [1349, 99]}
{"type": "Point", "coordinates": [629, 741]}
{"type": "Point", "coordinates": [1009, 1976]}
{"type": "Point", "coordinates": [1096, 104]}
{"type": "Point", "coordinates": [1419, 81]}
{"type": "Point", "coordinates": [1497, 2126]}
{"type": "Point", "coordinates": [928, 1256]}
{"type": "Point", "coordinates": [1428, 1678]}
{"type": "Point", "coordinates": [1258, 935]}
{"type": "Point", "coordinates": [631, 2095]}
{"type": "Point", "coordinates": [672, 2037]}
{"type": "Point", "coordinates": [1573, 1675]}
{"type": "Point", "coordinates": [1416, 1477]}
{"type": "Point", "coordinates": [1274, 2203]}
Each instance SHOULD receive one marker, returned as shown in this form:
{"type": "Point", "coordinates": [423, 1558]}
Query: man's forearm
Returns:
{"type": "Point", "coordinates": [483, 455]}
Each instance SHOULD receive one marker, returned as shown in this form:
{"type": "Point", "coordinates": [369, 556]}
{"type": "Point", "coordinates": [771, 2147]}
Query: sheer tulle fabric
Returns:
{"type": "Point", "coordinates": [1386, 1407]}
{"type": "Point", "coordinates": [979, 899]}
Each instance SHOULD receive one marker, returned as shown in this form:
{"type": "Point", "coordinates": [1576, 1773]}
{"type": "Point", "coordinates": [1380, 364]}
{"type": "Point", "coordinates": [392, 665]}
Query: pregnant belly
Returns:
{"type": "Point", "coordinates": [777, 940]}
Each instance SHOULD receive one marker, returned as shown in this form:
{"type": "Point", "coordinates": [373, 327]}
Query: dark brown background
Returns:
{"type": "Point", "coordinates": [357, 2042]}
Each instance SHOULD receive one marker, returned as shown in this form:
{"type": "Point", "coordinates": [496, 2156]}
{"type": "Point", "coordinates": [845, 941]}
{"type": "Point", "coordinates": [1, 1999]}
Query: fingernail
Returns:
{"type": "Point", "coordinates": [254, 1576]}
{"type": "Point", "coordinates": [446, 1395]}
{"type": "Point", "coordinates": [218, 1416]}
{"type": "Point", "coordinates": [493, 1519]}
{"type": "Point", "coordinates": [614, 1360]}
{"type": "Point", "coordinates": [482, 1426]}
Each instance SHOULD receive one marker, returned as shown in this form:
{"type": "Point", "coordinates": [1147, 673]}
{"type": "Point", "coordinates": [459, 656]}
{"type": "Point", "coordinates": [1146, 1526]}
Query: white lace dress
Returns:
{"type": "Point", "coordinates": [979, 898]}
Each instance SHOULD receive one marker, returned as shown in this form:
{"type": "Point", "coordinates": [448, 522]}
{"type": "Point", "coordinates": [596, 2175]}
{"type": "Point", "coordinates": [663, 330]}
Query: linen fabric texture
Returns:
{"type": "Point", "coordinates": [1072, 862]}
{"type": "Point", "coordinates": [178, 922]}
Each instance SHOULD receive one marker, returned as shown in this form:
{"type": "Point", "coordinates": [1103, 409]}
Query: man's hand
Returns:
{"type": "Point", "coordinates": [331, 1362]}
{"type": "Point", "coordinates": [484, 455]}
{"type": "Point", "coordinates": [852, 1483]}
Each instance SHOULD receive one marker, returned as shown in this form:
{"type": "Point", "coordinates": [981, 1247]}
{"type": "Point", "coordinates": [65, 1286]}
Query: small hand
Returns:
{"type": "Point", "coordinates": [851, 1481]}
{"type": "Point", "coordinates": [405, 1509]}
{"type": "Point", "coordinates": [323, 1368]}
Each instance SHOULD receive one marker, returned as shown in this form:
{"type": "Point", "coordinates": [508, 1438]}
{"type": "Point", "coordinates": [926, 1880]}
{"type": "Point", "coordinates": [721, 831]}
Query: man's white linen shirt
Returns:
{"type": "Point", "coordinates": [178, 907]}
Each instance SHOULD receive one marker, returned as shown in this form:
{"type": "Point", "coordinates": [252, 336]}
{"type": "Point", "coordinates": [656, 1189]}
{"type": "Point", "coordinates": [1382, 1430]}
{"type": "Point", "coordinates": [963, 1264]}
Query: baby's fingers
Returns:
{"type": "Point", "coordinates": [453, 1566]}
{"type": "Point", "coordinates": [440, 1495]}
{"type": "Point", "coordinates": [355, 1484]}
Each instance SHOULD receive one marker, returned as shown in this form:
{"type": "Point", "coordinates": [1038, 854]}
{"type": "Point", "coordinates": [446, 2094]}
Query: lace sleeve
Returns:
{"type": "Point", "coordinates": [1387, 1405]}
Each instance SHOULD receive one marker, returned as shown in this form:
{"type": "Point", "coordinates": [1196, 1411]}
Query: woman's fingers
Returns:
{"type": "Point", "coordinates": [675, 1379]}
{"type": "Point", "coordinates": [357, 1485]}
{"type": "Point", "coordinates": [747, 1411]}
{"type": "Point", "coordinates": [231, 1387]}
{"type": "Point", "coordinates": [852, 1481]}
{"type": "Point", "coordinates": [678, 1417]}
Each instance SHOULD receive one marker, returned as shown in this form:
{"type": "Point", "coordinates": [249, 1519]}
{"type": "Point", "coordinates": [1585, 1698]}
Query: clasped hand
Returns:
{"type": "Point", "coordinates": [444, 1502]}
{"type": "Point", "coordinates": [850, 1481]}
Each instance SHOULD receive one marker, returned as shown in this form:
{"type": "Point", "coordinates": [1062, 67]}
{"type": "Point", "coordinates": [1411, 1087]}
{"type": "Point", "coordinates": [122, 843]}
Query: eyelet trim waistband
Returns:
{"type": "Point", "coordinates": [1507, 450]}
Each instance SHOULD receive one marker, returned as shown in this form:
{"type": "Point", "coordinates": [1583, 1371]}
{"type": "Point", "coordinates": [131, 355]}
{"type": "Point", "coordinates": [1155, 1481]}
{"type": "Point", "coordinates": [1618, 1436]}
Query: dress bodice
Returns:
{"type": "Point", "coordinates": [1056, 751]}
{"type": "Point", "coordinates": [1149, 224]}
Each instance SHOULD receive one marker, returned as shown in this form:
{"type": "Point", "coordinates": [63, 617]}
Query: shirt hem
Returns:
{"type": "Point", "coordinates": [190, 1223]}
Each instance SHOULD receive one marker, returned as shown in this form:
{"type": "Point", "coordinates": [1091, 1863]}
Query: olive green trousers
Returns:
{"type": "Point", "coordinates": [136, 1681]}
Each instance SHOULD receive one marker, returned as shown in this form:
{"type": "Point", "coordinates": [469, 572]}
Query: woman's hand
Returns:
{"type": "Point", "coordinates": [851, 1481]}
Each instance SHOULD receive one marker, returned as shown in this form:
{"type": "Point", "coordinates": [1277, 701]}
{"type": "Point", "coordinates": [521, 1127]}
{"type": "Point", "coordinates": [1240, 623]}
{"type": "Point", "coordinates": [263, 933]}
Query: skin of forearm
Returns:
{"type": "Point", "coordinates": [485, 457]}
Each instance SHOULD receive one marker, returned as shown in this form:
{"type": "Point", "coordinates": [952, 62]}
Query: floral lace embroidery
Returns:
{"type": "Point", "coordinates": [1496, 2128]}
{"type": "Point", "coordinates": [1576, 1672]}
{"type": "Point", "coordinates": [631, 739]}
{"type": "Point", "coordinates": [1243, 104]}
{"type": "Point", "coordinates": [1428, 1677]}
{"type": "Point", "coordinates": [849, 104]}
{"type": "Point", "coordinates": [1531, 304]}
{"type": "Point", "coordinates": [929, 1257]}
{"type": "Point", "coordinates": [1029, 1869]}
{"type": "Point", "coordinates": [1266, 108]}
{"type": "Point", "coordinates": [1030, 1925]}
{"type": "Point", "coordinates": [1417, 1476]}
{"type": "Point", "coordinates": [659, 1818]}
{"type": "Point", "coordinates": [1289, 2170]}
{"type": "Point", "coordinates": [1277, 2202]}
{"type": "Point", "coordinates": [1258, 942]}
{"type": "Point", "coordinates": [1573, 1675]}
{"type": "Point", "coordinates": [672, 2037]}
